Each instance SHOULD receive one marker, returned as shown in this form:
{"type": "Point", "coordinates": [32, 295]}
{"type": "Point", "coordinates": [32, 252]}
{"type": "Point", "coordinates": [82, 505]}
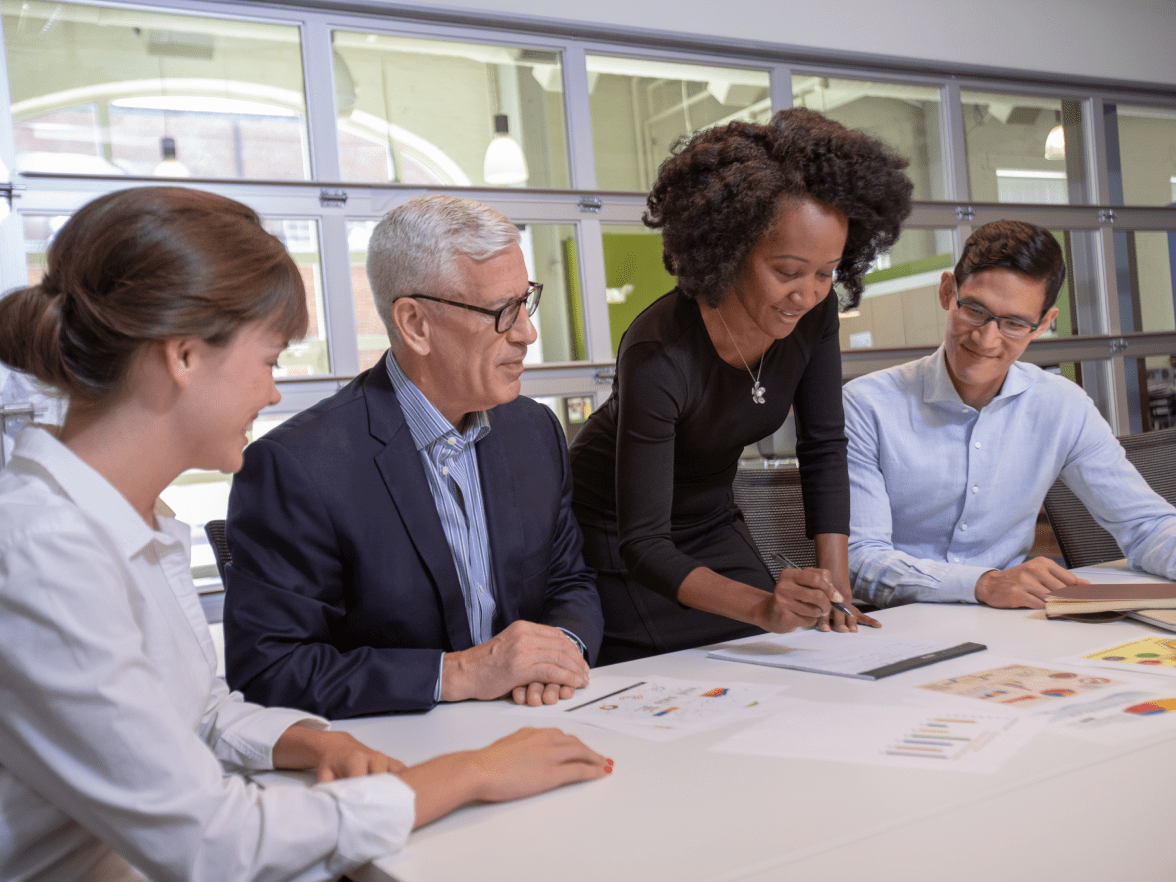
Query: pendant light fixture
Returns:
{"type": "Point", "coordinates": [504, 163]}
{"type": "Point", "coordinates": [169, 166]}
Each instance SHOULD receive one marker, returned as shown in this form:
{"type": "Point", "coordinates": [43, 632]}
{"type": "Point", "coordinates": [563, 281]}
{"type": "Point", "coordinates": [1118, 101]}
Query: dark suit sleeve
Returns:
{"type": "Point", "coordinates": [291, 627]}
{"type": "Point", "coordinates": [571, 600]}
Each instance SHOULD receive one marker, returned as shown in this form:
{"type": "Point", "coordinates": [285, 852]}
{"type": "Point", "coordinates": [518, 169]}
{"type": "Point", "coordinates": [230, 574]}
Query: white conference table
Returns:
{"type": "Point", "coordinates": [1060, 808]}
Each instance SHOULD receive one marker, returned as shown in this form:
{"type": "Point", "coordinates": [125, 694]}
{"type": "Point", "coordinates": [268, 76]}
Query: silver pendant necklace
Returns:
{"type": "Point", "coordinates": [757, 391]}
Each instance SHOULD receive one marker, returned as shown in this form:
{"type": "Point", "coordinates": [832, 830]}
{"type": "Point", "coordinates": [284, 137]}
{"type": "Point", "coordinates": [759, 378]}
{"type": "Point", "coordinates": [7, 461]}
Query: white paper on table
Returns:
{"type": "Point", "coordinates": [1118, 717]}
{"type": "Point", "coordinates": [829, 652]}
{"type": "Point", "coordinates": [1009, 684]}
{"type": "Point", "coordinates": [975, 740]}
{"type": "Point", "coordinates": [1160, 650]}
{"type": "Point", "coordinates": [658, 708]}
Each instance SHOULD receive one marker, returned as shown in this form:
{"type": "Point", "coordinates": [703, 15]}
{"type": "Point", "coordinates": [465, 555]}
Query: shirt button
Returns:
{"type": "Point", "coordinates": [975, 489]}
{"type": "Point", "coordinates": [963, 526]}
{"type": "Point", "coordinates": [445, 470]}
{"type": "Point", "coordinates": [481, 590]}
{"type": "Point", "coordinates": [453, 442]}
{"type": "Point", "coordinates": [977, 443]}
{"type": "Point", "coordinates": [957, 560]}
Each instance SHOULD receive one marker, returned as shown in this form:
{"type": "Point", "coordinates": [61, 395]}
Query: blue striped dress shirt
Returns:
{"type": "Point", "coordinates": [451, 466]}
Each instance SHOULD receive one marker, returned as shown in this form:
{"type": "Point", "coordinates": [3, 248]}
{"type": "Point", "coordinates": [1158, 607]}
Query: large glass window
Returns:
{"type": "Point", "coordinates": [551, 257]}
{"type": "Point", "coordinates": [98, 90]}
{"type": "Point", "coordinates": [904, 116]}
{"type": "Point", "coordinates": [1017, 148]}
{"type": "Point", "coordinates": [1147, 154]}
{"type": "Point", "coordinates": [417, 111]}
{"type": "Point", "coordinates": [641, 107]}
{"type": "Point", "coordinates": [900, 306]}
{"type": "Point", "coordinates": [310, 355]}
{"type": "Point", "coordinates": [634, 274]}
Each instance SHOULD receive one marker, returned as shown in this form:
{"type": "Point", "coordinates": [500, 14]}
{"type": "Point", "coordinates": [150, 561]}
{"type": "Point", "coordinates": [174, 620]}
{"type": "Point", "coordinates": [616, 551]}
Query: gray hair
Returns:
{"type": "Point", "coordinates": [413, 248]}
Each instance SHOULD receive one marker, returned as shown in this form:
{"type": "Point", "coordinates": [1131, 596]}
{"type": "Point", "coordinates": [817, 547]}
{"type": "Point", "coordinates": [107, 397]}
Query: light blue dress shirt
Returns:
{"type": "Point", "coordinates": [941, 493]}
{"type": "Point", "coordinates": [451, 466]}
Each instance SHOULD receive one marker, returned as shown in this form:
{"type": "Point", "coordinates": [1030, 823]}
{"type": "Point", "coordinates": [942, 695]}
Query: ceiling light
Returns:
{"type": "Point", "coordinates": [505, 163]}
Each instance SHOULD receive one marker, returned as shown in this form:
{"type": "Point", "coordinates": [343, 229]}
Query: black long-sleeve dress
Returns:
{"type": "Point", "coordinates": [653, 468]}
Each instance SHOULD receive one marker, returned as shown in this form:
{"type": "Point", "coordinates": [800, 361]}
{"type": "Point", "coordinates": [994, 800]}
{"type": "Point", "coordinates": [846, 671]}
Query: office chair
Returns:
{"type": "Point", "coordinates": [1082, 541]}
{"type": "Point", "coordinates": [215, 531]}
{"type": "Point", "coordinates": [773, 509]}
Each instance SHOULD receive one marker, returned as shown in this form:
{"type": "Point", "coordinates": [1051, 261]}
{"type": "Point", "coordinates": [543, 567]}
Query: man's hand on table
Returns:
{"type": "Point", "coordinates": [1025, 585]}
{"type": "Point", "coordinates": [534, 664]}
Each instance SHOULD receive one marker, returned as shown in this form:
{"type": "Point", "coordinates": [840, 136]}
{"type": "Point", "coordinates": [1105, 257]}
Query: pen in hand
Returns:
{"type": "Point", "coordinates": [840, 607]}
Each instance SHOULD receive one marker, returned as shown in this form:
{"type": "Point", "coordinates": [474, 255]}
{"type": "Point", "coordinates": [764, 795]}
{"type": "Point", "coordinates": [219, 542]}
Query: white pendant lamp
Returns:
{"type": "Point", "coordinates": [170, 167]}
{"type": "Point", "coordinates": [505, 163]}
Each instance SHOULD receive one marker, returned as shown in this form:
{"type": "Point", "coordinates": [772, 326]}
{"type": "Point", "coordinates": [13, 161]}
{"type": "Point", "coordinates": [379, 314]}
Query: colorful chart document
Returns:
{"type": "Point", "coordinates": [864, 656]}
{"type": "Point", "coordinates": [1118, 717]}
{"type": "Point", "coordinates": [1147, 655]}
{"type": "Point", "coordinates": [914, 737]}
{"type": "Point", "coordinates": [658, 708]}
{"type": "Point", "coordinates": [1020, 686]}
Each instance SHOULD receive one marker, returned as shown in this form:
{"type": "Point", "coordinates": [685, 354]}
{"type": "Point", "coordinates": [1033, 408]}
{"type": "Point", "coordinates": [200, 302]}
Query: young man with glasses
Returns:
{"type": "Point", "coordinates": [410, 539]}
{"type": "Point", "coordinates": [950, 456]}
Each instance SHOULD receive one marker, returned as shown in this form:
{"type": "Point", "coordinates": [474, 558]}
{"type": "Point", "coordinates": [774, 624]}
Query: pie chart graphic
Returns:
{"type": "Point", "coordinates": [1148, 708]}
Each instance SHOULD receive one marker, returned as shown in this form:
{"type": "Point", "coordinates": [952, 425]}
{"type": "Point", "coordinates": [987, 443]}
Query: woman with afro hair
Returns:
{"type": "Point", "coordinates": [758, 223]}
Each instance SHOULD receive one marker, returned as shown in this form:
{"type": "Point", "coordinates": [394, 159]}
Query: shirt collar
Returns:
{"type": "Point", "coordinates": [79, 482]}
{"type": "Point", "coordinates": [425, 422]}
{"type": "Point", "coordinates": [938, 388]}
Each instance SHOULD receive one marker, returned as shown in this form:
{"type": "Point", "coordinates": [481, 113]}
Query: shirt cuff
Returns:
{"type": "Point", "coordinates": [440, 672]}
{"type": "Point", "coordinates": [577, 641]}
{"type": "Point", "coordinates": [956, 585]}
{"type": "Point", "coordinates": [376, 814]}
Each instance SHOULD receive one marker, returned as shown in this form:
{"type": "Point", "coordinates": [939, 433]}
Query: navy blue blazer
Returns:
{"type": "Point", "coordinates": [342, 593]}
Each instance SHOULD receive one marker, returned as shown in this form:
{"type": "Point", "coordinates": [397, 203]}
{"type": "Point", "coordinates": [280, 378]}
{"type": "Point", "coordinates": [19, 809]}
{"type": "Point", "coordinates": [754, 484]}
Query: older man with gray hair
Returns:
{"type": "Point", "coordinates": [410, 539]}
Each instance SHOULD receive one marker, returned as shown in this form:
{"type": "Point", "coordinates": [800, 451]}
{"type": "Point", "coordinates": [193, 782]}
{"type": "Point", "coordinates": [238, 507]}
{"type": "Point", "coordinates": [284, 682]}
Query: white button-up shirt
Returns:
{"type": "Point", "coordinates": [117, 739]}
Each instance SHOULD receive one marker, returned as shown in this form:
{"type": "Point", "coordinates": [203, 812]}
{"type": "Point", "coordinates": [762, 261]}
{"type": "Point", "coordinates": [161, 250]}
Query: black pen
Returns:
{"type": "Point", "coordinates": [837, 605]}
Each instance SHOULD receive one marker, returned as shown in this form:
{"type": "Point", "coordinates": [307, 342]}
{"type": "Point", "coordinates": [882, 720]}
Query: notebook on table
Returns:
{"type": "Point", "coordinates": [1120, 597]}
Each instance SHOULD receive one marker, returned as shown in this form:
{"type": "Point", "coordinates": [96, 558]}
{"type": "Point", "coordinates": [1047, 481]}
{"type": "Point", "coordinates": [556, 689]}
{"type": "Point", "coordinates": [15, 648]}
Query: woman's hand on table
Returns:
{"type": "Point", "coordinates": [527, 762]}
{"type": "Point", "coordinates": [332, 754]}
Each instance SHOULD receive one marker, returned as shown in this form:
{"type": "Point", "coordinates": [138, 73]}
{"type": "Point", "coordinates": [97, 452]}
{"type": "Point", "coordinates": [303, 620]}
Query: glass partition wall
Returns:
{"type": "Point", "coordinates": [324, 118]}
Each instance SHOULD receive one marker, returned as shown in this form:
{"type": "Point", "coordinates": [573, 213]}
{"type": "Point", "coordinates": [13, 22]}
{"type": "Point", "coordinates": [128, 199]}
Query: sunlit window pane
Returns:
{"type": "Point", "coordinates": [634, 274]}
{"type": "Point", "coordinates": [900, 306]}
{"type": "Point", "coordinates": [1147, 154]}
{"type": "Point", "coordinates": [308, 356]}
{"type": "Point", "coordinates": [904, 116]}
{"type": "Point", "coordinates": [419, 111]}
{"type": "Point", "coordinates": [1017, 149]}
{"type": "Point", "coordinates": [641, 107]}
{"type": "Point", "coordinates": [101, 90]}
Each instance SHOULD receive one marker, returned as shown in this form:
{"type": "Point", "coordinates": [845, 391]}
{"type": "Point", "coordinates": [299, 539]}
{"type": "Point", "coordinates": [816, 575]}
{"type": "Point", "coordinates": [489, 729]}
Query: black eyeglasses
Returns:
{"type": "Point", "coordinates": [505, 316]}
{"type": "Point", "coordinates": [975, 314]}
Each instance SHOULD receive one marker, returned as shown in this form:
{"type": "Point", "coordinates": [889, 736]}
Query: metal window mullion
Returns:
{"type": "Point", "coordinates": [780, 87]}
{"type": "Point", "coordinates": [953, 146]}
{"type": "Point", "coordinates": [578, 118]}
{"type": "Point", "coordinates": [318, 76]}
{"type": "Point", "coordinates": [338, 298]}
{"type": "Point", "coordinates": [599, 344]}
{"type": "Point", "coordinates": [1098, 306]}
{"type": "Point", "coordinates": [14, 269]}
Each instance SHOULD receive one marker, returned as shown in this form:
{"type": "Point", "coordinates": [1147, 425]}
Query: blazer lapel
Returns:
{"type": "Point", "coordinates": [400, 466]}
{"type": "Point", "coordinates": [504, 520]}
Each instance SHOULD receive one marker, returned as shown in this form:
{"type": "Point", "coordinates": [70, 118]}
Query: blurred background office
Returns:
{"type": "Point", "coordinates": [324, 115]}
